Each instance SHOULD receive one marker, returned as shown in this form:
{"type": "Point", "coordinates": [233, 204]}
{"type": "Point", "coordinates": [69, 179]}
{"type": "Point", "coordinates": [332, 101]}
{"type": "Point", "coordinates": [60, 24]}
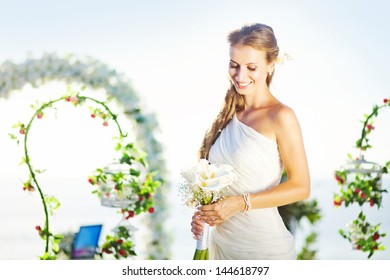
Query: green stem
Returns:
{"type": "Point", "coordinates": [201, 254]}
{"type": "Point", "coordinates": [363, 135]}
{"type": "Point", "coordinates": [27, 158]}
{"type": "Point", "coordinates": [32, 173]}
{"type": "Point", "coordinates": [114, 117]}
{"type": "Point", "coordinates": [197, 255]}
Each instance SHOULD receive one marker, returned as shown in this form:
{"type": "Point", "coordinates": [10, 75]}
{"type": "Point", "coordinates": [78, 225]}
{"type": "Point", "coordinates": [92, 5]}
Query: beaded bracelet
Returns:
{"type": "Point", "coordinates": [247, 201]}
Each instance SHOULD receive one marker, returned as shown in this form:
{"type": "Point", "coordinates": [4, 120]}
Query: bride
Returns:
{"type": "Point", "coordinates": [260, 137]}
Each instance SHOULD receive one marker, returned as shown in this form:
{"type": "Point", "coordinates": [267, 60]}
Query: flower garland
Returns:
{"type": "Point", "coordinates": [96, 75]}
{"type": "Point", "coordinates": [361, 183]}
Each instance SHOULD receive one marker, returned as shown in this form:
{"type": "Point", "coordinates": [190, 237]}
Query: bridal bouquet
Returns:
{"type": "Point", "coordinates": [204, 184]}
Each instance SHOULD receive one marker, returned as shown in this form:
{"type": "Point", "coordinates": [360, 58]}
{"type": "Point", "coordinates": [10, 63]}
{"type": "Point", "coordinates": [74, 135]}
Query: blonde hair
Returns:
{"type": "Point", "coordinates": [260, 37]}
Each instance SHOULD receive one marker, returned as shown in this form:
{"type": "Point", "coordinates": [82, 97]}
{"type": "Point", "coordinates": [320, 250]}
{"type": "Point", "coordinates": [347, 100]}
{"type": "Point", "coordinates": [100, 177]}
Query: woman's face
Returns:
{"type": "Point", "coordinates": [248, 69]}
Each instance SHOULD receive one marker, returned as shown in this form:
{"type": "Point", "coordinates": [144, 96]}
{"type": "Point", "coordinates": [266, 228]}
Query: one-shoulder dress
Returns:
{"type": "Point", "coordinates": [257, 233]}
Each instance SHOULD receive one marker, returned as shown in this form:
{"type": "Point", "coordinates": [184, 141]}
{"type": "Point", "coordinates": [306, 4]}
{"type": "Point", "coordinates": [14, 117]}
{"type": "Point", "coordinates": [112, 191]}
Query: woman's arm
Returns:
{"type": "Point", "coordinates": [292, 151]}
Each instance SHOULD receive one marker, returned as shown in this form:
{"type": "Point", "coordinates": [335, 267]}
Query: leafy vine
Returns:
{"type": "Point", "coordinates": [361, 183]}
{"type": "Point", "coordinates": [134, 181]}
{"type": "Point", "coordinates": [95, 74]}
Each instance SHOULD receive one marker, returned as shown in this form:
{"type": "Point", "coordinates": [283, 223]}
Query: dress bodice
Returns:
{"type": "Point", "coordinates": [254, 157]}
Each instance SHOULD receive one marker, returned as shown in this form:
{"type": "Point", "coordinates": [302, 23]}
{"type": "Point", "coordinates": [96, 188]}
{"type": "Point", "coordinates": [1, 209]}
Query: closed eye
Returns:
{"type": "Point", "coordinates": [233, 65]}
{"type": "Point", "coordinates": [252, 68]}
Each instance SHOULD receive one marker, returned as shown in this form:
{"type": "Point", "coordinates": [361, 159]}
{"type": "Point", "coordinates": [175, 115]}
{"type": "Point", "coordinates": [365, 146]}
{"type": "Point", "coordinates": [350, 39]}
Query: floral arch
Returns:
{"type": "Point", "coordinates": [96, 75]}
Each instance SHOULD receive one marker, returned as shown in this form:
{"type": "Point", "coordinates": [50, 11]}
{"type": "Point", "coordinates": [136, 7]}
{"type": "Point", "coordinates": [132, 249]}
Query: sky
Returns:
{"type": "Point", "coordinates": [176, 55]}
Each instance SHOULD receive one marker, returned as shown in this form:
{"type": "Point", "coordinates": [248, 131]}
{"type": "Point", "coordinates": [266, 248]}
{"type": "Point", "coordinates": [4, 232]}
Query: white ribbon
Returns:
{"type": "Point", "coordinates": [203, 242]}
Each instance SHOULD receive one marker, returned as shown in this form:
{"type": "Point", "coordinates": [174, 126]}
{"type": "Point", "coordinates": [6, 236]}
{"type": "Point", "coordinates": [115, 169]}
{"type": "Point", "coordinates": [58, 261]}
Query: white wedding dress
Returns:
{"type": "Point", "coordinates": [258, 233]}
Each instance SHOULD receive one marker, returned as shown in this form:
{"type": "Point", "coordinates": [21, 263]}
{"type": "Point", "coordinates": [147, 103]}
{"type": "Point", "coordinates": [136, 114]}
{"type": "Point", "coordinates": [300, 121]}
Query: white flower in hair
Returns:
{"type": "Point", "coordinates": [282, 58]}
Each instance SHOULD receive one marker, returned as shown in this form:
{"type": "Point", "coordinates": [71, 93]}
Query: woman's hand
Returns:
{"type": "Point", "coordinates": [220, 211]}
{"type": "Point", "coordinates": [196, 226]}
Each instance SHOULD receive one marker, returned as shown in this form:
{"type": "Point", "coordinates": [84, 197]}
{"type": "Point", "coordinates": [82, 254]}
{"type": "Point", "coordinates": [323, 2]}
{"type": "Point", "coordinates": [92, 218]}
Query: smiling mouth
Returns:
{"type": "Point", "coordinates": [243, 85]}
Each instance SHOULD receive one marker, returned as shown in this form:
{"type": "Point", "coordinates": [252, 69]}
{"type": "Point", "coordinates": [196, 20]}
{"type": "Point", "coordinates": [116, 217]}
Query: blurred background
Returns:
{"type": "Point", "coordinates": [176, 56]}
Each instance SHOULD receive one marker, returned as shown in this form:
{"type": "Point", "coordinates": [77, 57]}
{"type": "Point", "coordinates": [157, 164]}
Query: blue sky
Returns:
{"type": "Point", "coordinates": [175, 52]}
{"type": "Point", "coordinates": [176, 55]}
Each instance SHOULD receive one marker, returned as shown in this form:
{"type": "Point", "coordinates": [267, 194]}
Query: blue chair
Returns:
{"type": "Point", "coordinates": [86, 242]}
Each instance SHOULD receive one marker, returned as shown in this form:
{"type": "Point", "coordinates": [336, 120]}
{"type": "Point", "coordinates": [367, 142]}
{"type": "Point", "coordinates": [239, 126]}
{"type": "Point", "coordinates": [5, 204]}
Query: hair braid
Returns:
{"type": "Point", "coordinates": [233, 103]}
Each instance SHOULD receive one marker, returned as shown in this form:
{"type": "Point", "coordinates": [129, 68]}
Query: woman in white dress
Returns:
{"type": "Point", "coordinates": [260, 137]}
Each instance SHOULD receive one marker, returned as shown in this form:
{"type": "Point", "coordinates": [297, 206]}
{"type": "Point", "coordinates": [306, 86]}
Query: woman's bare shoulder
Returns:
{"type": "Point", "coordinates": [284, 119]}
{"type": "Point", "coordinates": [281, 113]}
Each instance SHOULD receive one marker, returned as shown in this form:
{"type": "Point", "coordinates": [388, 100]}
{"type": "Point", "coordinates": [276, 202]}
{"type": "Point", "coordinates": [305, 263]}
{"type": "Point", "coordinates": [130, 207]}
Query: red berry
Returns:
{"type": "Point", "coordinates": [90, 181]}
{"type": "Point", "coordinates": [24, 188]}
{"type": "Point", "coordinates": [122, 252]}
{"type": "Point", "coordinates": [68, 99]}
{"type": "Point", "coordinates": [338, 178]}
{"type": "Point", "coordinates": [38, 228]}
{"type": "Point", "coordinates": [372, 202]}
{"type": "Point", "coordinates": [107, 251]}
{"type": "Point", "coordinates": [39, 116]}
{"type": "Point", "coordinates": [363, 195]}
{"type": "Point", "coordinates": [22, 131]}
{"type": "Point", "coordinates": [93, 115]}
{"type": "Point", "coordinates": [140, 198]}
{"type": "Point", "coordinates": [370, 127]}
{"type": "Point", "coordinates": [119, 241]}
{"type": "Point", "coordinates": [131, 214]}
{"type": "Point", "coordinates": [338, 202]}
{"type": "Point", "coordinates": [358, 247]}
{"type": "Point", "coordinates": [357, 190]}
{"type": "Point", "coordinates": [385, 100]}
{"type": "Point", "coordinates": [105, 123]}
{"type": "Point", "coordinates": [376, 236]}
{"type": "Point", "coordinates": [151, 210]}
